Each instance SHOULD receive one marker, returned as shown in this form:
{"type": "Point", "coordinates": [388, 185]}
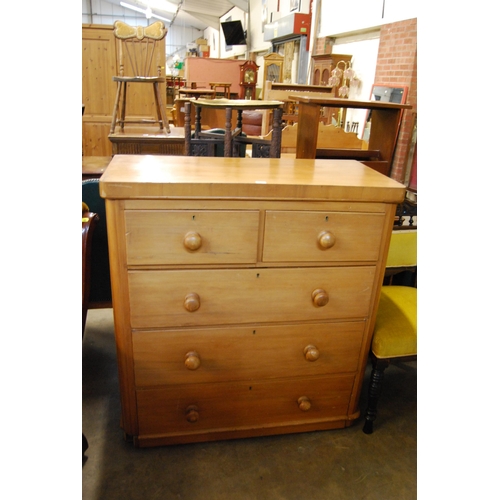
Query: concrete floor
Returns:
{"type": "Point", "coordinates": [342, 464]}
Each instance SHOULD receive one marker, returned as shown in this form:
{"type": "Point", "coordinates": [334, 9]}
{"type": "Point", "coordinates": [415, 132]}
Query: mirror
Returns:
{"type": "Point", "coordinates": [385, 93]}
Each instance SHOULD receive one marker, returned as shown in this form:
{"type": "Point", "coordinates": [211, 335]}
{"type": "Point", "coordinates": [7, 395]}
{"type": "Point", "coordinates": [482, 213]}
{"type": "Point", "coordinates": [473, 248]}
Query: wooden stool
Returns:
{"type": "Point", "coordinates": [226, 88]}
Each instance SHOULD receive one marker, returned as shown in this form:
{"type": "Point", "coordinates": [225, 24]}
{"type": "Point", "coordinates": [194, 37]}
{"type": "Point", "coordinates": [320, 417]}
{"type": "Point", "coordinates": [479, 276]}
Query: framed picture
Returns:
{"type": "Point", "coordinates": [294, 5]}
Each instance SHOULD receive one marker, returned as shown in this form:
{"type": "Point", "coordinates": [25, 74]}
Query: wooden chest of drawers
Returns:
{"type": "Point", "coordinates": [243, 292]}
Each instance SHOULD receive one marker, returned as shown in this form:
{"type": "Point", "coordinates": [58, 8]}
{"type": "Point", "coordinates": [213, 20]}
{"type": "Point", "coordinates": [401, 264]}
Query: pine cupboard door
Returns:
{"type": "Point", "coordinates": [98, 88]}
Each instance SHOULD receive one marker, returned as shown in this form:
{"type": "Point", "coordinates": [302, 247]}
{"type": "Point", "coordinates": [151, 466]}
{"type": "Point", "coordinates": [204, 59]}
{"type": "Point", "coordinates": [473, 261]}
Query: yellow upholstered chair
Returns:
{"type": "Point", "coordinates": [138, 60]}
{"type": "Point", "coordinates": [395, 333]}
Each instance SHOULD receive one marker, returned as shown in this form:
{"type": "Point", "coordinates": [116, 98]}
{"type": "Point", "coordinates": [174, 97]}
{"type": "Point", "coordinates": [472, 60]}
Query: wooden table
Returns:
{"type": "Point", "coordinates": [230, 134]}
{"type": "Point", "coordinates": [226, 86]}
{"type": "Point", "coordinates": [94, 166]}
{"type": "Point", "coordinates": [244, 292]}
{"type": "Point", "coordinates": [196, 93]}
{"type": "Point", "coordinates": [385, 124]}
{"type": "Point", "coordinates": [148, 140]}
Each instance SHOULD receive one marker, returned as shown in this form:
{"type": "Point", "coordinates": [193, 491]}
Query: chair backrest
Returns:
{"type": "Point", "coordinates": [401, 265]}
{"type": "Point", "coordinates": [402, 249]}
{"type": "Point", "coordinates": [138, 44]}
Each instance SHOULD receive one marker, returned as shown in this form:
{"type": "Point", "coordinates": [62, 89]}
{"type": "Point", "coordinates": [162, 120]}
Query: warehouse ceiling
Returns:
{"type": "Point", "coordinates": [199, 14]}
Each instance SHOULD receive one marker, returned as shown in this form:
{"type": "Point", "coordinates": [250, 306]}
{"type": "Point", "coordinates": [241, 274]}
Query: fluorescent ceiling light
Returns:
{"type": "Point", "coordinates": [132, 7]}
{"type": "Point", "coordinates": [142, 11]}
{"type": "Point", "coordinates": [162, 5]}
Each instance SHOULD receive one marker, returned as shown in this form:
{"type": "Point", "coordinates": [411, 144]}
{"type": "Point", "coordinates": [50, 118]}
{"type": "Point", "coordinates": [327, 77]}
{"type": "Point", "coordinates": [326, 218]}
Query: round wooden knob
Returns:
{"type": "Point", "coordinates": [311, 353]}
{"type": "Point", "coordinates": [320, 297]}
{"type": "Point", "coordinates": [192, 241]}
{"type": "Point", "coordinates": [192, 360]}
{"type": "Point", "coordinates": [192, 302]}
{"type": "Point", "coordinates": [326, 239]}
{"type": "Point", "coordinates": [304, 403]}
{"type": "Point", "coordinates": [192, 414]}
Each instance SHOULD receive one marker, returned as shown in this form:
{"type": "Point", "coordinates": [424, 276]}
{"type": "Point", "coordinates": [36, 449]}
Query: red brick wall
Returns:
{"type": "Point", "coordinates": [397, 64]}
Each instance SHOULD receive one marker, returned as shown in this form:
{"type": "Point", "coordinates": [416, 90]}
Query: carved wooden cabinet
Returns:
{"type": "Point", "coordinates": [323, 65]}
{"type": "Point", "coordinates": [243, 292]}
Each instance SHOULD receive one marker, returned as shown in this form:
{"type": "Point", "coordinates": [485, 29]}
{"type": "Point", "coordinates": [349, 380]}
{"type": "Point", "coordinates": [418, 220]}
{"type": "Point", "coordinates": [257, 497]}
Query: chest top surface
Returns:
{"type": "Point", "coordinates": [170, 177]}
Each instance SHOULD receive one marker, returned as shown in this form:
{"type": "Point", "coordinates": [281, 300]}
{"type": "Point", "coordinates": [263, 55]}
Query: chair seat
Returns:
{"type": "Point", "coordinates": [395, 332]}
{"type": "Point", "coordinates": [139, 79]}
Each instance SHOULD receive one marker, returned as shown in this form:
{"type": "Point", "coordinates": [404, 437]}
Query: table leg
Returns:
{"type": "Point", "coordinates": [276, 137]}
{"type": "Point", "coordinates": [239, 118]}
{"type": "Point", "coordinates": [228, 137]}
{"type": "Point", "coordinates": [307, 130]}
{"type": "Point", "coordinates": [384, 132]}
{"type": "Point", "coordinates": [197, 122]}
{"type": "Point", "coordinates": [187, 129]}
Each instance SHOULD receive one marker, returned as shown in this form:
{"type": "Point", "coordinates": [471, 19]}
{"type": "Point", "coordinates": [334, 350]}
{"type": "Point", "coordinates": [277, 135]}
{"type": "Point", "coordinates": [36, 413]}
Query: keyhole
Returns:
{"type": "Point", "coordinates": [326, 218]}
{"type": "Point", "coordinates": [194, 216]}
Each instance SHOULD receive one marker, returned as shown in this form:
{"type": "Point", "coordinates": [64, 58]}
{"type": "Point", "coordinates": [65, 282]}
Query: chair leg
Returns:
{"type": "Point", "coordinates": [162, 115]}
{"type": "Point", "coordinates": [124, 105]}
{"type": "Point", "coordinates": [115, 108]}
{"type": "Point", "coordinates": [374, 391]}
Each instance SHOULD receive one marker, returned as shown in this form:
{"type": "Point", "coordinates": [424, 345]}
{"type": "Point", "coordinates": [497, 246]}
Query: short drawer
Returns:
{"type": "Point", "coordinates": [191, 237]}
{"type": "Point", "coordinates": [161, 298]}
{"type": "Point", "coordinates": [245, 353]}
{"type": "Point", "coordinates": [218, 407]}
{"type": "Point", "coordinates": [294, 236]}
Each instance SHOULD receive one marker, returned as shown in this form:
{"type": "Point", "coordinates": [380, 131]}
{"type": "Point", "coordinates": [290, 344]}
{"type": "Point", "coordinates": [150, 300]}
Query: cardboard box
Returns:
{"type": "Point", "coordinates": [201, 41]}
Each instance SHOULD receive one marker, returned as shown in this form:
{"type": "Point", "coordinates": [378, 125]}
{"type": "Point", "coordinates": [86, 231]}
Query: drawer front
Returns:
{"type": "Point", "coordinates": [216, 407]}
{"type": "Point", "coordinates": [238, 296]}
{"type": "Point", "coordinates": [322, 236]}
{"type": "Point", "coordinates": [191, 237]}
{"type": "Point", "coordinates": [259, 352]}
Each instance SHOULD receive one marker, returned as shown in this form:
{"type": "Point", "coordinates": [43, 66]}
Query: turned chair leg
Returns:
{"type": "Point", "coordinates": [374, 391]}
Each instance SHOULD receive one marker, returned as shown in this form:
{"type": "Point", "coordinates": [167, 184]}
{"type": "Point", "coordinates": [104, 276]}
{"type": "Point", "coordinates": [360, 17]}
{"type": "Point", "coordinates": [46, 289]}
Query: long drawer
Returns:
{"type": "Point", "coordinates": [294, 236]}
{"type": "Point", "coordinates": [247, 296]}
{"type": "Point", "coordinates": [155, 237]}
{"type": "Point", "coordinates": [245, 353]}
{"type": "Point", "coordinates": [216, 407]}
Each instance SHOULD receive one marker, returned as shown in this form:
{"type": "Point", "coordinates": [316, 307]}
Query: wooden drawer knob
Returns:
{"type": "Point", "coordinates": [304, 403]}
{"type": "Point", "coordinates": [192, 414]}
{"type": "Point", "coordinates": [192, 241]}
{"type": "Point", "coordinates": [320, 297]}
{"type": "Point", "coordinates": [311, 353]}
{"type": "Point", "coordinates": [192, 302]}
{"type": "Point", "coordinates": [326, 239]}
{"type": "Point", "coordinates": [192, 360]}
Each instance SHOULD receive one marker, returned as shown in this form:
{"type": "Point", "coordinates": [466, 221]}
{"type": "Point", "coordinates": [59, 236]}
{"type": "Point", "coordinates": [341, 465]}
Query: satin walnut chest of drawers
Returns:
{"type": "Point", "coordinates": [243, 292]}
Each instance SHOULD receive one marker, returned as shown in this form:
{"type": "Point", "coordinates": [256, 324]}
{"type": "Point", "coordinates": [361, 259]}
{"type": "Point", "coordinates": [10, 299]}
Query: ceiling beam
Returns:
{"type": "Point", "coordinates": [241, 4]}
{"type": "Point", "coordinates": [211, 21]}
